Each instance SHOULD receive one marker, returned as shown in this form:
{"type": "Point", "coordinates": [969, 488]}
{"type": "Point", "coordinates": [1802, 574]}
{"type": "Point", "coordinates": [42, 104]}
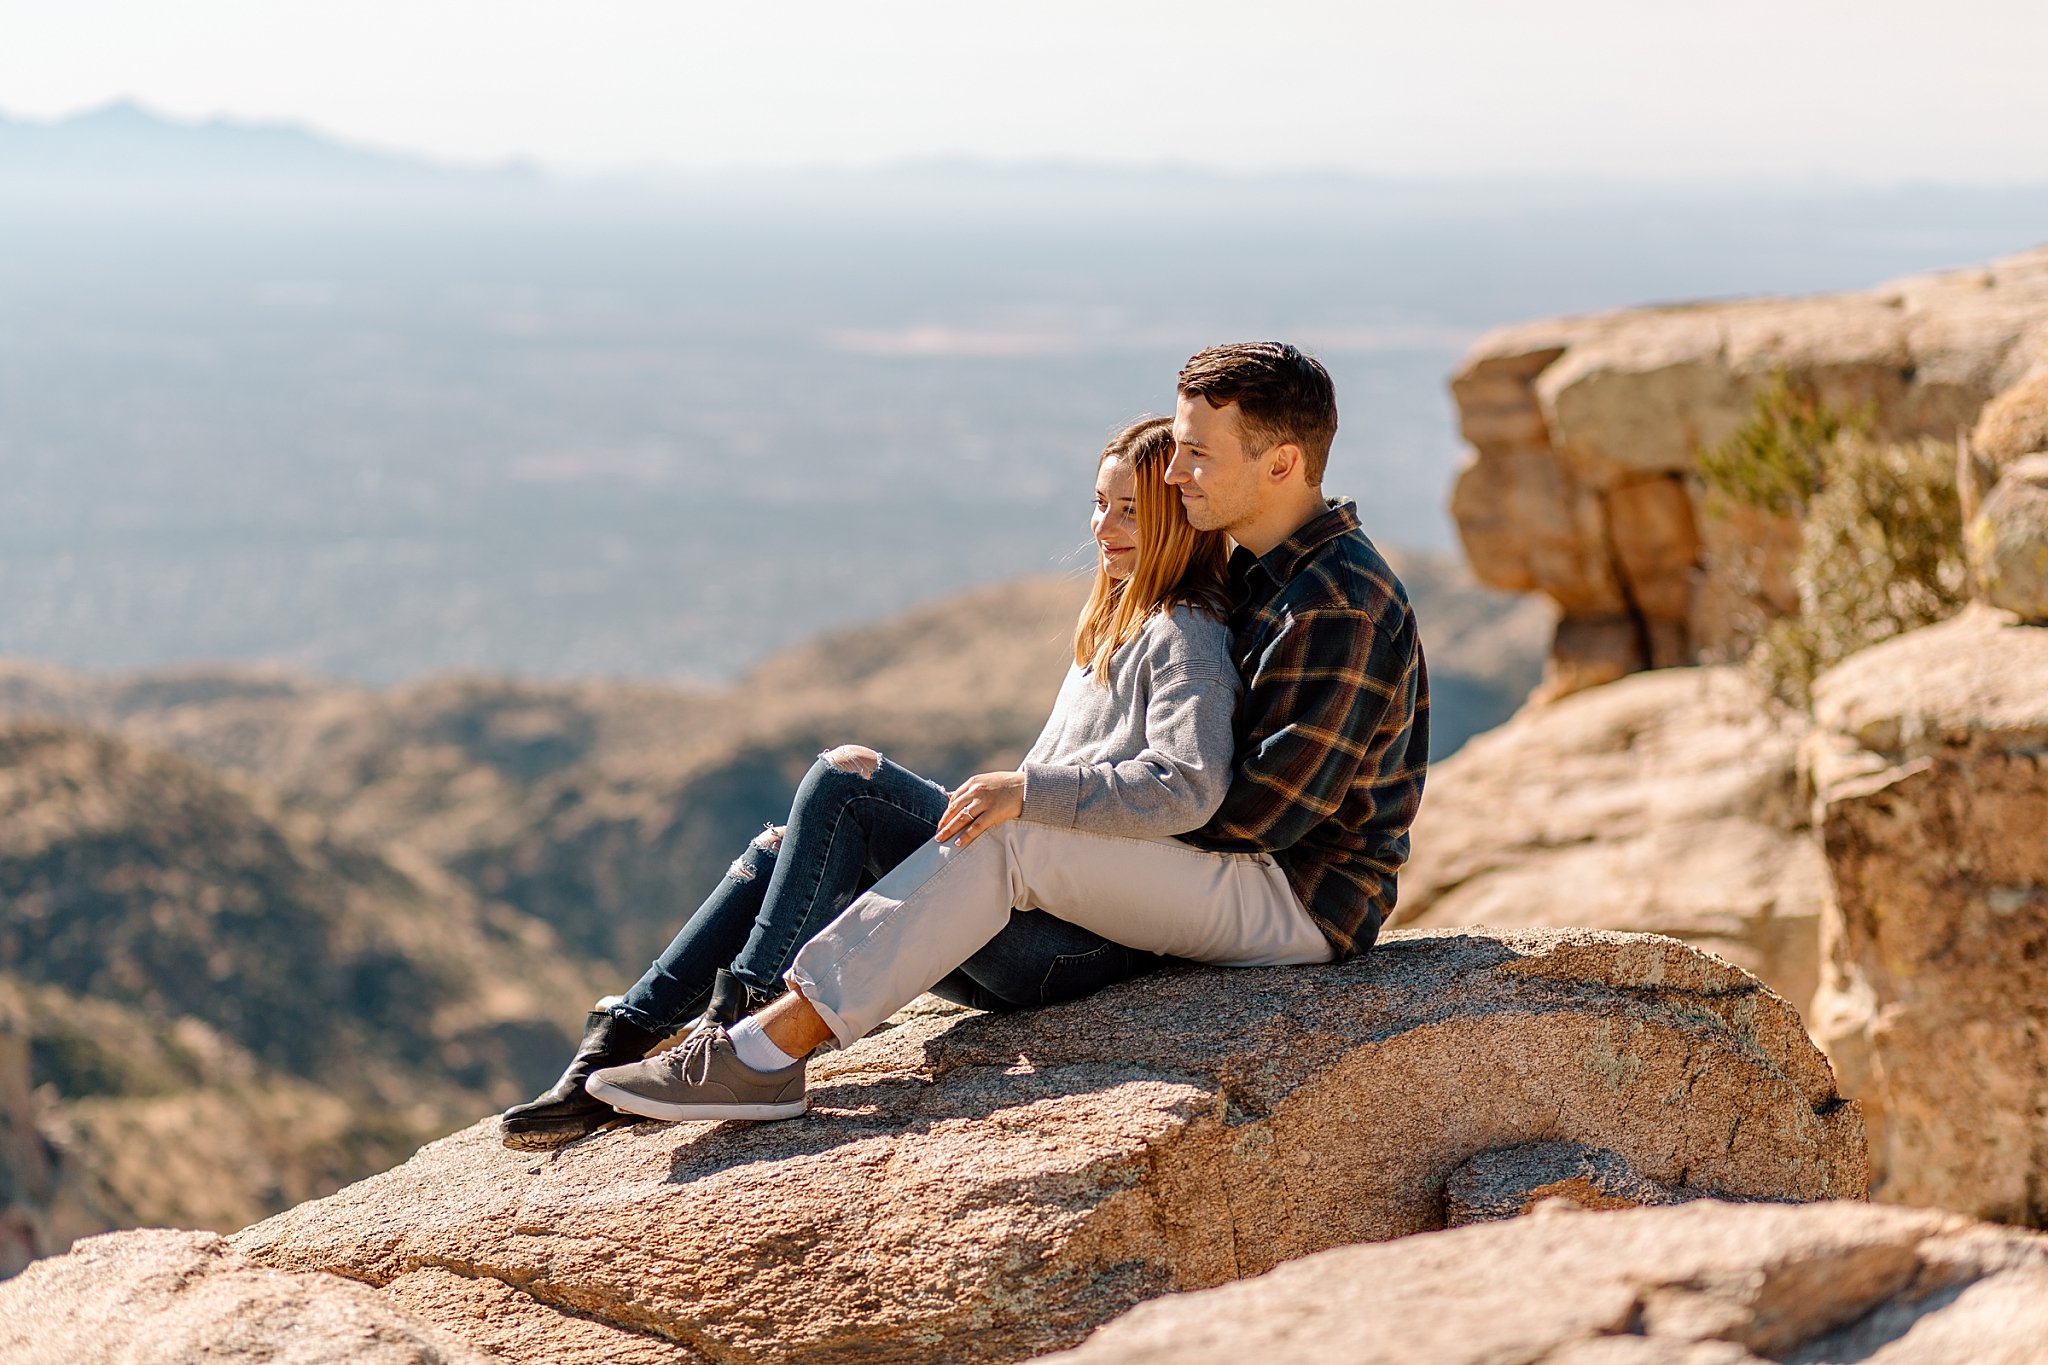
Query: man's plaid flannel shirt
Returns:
{"type": "Point", "coordinates": [1333, 729]}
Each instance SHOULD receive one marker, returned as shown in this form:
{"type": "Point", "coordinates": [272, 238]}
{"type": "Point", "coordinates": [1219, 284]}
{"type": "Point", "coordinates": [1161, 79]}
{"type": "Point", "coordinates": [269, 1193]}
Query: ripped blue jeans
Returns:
{"type": "Point", "coordinates": [847, 828]}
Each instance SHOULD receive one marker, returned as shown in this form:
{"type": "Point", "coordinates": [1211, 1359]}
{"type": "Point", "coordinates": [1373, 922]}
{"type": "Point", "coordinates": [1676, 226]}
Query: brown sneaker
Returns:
{"type": "Point", "coordinates": [702, 1079]}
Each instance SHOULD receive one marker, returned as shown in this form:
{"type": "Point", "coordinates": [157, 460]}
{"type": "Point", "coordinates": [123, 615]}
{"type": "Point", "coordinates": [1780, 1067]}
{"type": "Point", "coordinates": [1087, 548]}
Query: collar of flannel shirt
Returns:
{"type": "Point", "coordinates": [1284, 560]}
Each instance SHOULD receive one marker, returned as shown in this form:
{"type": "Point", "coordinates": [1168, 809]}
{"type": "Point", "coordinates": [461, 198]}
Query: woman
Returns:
{"type": "Point", "coordinates": [1139, 742]}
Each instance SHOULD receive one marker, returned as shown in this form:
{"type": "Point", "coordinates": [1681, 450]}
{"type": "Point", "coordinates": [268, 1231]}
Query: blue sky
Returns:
{"type": "Point", "coordinates": [1735, 90]}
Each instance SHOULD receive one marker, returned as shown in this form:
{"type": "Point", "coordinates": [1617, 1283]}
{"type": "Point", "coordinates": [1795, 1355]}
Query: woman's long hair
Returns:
{"type": "Point", "coordinates": [1177, 565]}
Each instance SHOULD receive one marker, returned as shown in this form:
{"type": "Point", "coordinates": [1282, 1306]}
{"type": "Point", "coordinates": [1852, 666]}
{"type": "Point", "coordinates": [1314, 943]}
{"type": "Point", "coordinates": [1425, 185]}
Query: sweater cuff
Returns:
{"type": "Point", "coordinates": [1052, 794]}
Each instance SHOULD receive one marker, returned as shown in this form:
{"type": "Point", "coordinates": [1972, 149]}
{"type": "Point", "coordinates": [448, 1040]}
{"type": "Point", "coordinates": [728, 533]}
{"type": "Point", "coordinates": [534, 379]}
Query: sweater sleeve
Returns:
{"type": "Point", "coordinates": [1180, 770]}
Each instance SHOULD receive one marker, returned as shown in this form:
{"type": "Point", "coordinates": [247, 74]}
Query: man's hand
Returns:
{"type": "Point", "coordinates": [981, 803]}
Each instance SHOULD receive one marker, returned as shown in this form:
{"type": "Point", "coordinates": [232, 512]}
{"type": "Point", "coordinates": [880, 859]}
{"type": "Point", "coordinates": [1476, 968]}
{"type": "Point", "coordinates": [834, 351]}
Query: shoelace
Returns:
{"type": "Point", "coordinates": [692, 1058]}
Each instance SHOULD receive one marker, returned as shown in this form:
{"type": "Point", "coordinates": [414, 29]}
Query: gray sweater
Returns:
{"type": "Point", "coordinates": [1149, 755]}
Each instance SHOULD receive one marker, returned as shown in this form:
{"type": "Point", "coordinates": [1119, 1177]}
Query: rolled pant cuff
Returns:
{"type": "Point", "coordinates": [808, 987]}
{"type": "Point", "coordinates": [639, 1018]}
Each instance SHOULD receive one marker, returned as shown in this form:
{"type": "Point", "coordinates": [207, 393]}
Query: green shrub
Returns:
{"type": "Point", "coordinates": [1880, 532]}
{"type": "Point", "coordinates": [1774, 460]}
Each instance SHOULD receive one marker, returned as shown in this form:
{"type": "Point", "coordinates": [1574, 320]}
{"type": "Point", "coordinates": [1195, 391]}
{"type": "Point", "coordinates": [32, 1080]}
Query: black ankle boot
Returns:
{"type": "Point", "coordinates": [564, 1112]}
{"type": "Point", "coordinates": [731, 1000]}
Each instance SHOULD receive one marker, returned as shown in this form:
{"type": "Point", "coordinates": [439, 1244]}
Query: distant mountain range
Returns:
{"type": "Point", "coordinates": [124, 142]}
{"type": "Point", "coordinates": [127, 147]}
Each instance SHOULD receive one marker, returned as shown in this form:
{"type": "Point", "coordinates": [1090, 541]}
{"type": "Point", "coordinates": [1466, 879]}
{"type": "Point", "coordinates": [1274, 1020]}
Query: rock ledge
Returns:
{"type": "Point", "coordinates": [1708, 1284]}
{"type": "Point", "coordinates": [986, 1188]}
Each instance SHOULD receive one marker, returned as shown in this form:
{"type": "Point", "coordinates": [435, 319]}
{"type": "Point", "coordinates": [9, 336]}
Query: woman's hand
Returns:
{"type": "Point", "coordinates": [981, 803]}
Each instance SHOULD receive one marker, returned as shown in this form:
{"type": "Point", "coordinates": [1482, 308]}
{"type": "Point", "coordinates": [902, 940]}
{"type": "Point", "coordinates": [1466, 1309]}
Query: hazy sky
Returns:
{"type": "Point", "coordinates": [1860, 89]}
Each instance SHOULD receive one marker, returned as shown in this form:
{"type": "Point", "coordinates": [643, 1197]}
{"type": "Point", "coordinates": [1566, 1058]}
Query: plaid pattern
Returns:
{"type": "Point", "coordinates": [1333, 730]}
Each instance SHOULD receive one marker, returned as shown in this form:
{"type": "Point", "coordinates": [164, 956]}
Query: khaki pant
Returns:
{"type": "Point", "coordinates": [937, 907]}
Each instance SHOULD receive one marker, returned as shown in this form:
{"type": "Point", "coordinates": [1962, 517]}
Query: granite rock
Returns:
{"type": "Point", "coordinates": [1706, 1284]}
{"type": "Point", "coordinates": [159, 1297]}
{"type": "Point", "coordinates": [1584, 433]}
{"type": "Point", "coordinates": [2014, 424]}
{"type": "Point", "coordinates": [985, 1187]}
{"type": "Point", "coordinates": [1930, 766]}
{"type": "Point", "coordinates": [1667, 803]}
{"type": "Point", "coordinates": [2007, 540]}
{"type": "Point", "coordinates": [1508, 1182]}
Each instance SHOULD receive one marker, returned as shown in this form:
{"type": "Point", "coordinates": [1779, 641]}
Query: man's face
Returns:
{"type": "Point", "coordinates": [1220, 482]}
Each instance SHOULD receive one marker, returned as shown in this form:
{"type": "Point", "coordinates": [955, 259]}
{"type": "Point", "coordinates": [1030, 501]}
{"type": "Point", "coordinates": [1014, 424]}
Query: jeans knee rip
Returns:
{"type": "Point", "coordinates": [769, 841]}
{"type": "Point", "coordinates": [854, 758]}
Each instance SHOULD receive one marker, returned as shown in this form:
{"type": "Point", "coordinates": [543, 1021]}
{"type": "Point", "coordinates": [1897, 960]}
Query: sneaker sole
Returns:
{"type": "Point", "coordinates": [627, 1102]}
{"type": "Point", "coordinates": [540, 1136]}
{"type": "Point", "coordinates": [540, 1141]}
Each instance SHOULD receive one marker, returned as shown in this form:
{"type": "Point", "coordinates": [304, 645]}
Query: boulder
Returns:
{"type": "Point", "coordinates": [1707, 1284]}
{"type": "Point", "coordinates": [2008, 541]}
{"type": "Point", "coordinates": [159, 1297]}
{"type": "Point", "coordinates": [986, 1187]}
{"type": "Point", "coordinates": [1584, 432]}
{"type": "Point", "coordinates": [2014, 424]}
{"type": "Point", "coordinates": [1667, 802]}
{"type": "Point", "coordinates": [1930, 766]}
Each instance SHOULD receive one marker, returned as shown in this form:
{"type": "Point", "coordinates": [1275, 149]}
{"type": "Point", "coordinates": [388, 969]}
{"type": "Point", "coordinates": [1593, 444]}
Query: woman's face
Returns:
{"type": "Point", "coordinates": [1116, 517]}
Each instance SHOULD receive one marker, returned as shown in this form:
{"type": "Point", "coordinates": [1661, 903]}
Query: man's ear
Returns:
{"type": "Point", "coordinates": [1282, 462]}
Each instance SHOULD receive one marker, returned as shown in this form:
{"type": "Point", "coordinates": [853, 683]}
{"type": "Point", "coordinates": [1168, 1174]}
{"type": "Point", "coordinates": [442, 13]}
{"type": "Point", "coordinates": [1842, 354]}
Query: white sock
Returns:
{"type": "Point", "coordinates": [757, 1051]}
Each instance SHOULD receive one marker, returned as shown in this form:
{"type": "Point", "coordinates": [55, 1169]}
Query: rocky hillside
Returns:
{"type": "Point", "coordinates": [43, 1204]}
{"type": "Point", "coordinates": [224, 1008]}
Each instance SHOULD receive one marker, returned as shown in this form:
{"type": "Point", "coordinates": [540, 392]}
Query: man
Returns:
{"type": "Point", "coordinates": [1299, 865]}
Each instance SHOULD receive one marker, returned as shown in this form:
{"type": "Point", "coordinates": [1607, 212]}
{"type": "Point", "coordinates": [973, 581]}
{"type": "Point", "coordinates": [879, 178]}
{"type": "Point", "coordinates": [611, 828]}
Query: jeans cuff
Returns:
{"type": "Point", "coordinates": [839, 1027]}
{"type": "Point", "coordinates": [640, 1019]}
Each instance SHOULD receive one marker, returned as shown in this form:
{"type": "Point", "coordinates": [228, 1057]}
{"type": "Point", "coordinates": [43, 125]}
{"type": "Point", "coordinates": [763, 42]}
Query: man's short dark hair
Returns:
{"type": "Point", "coordinates": [1282, 394]}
